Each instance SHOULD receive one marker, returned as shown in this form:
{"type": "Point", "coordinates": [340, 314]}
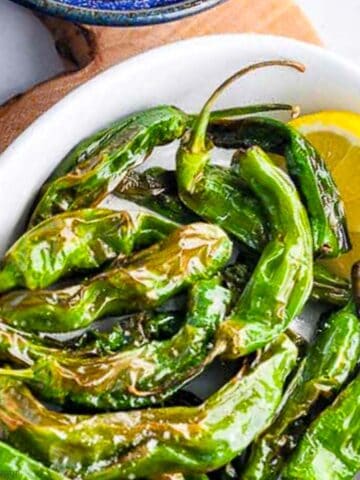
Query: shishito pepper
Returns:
{"type": "Point", "coordinates": [156, 189]}
{"type": "Point", "coordinates": [215, 193]}
{"type": "Point", "coordinates": [132, 331]}
{"type": "Point", "coordinates": [150, 442]}
{"type": "Point", "coordinates": [149, 278]}
{"type": "Point", "coordinates": [326, 366]}
{"type": "Point", "coordinates": [330, 449]}
{"type": "Point", "coordinates": [77, 241]}
{"type": "Point", "coordinates": [17, 466]}
{"type": "Point", "coordinates": [100, 162]}
{"type": "Point", "coordinates": [127, 147]}
{"type": "Point", "coordinates": [138, 377]}
{"type": "Point", "coordinates": [306, 168]}
{"type": "Point", "coordinates": [282, 280]}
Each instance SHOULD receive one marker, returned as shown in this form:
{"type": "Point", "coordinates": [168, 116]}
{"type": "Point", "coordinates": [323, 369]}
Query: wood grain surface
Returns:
{"type": "Point", "coordinates": [89, 50]}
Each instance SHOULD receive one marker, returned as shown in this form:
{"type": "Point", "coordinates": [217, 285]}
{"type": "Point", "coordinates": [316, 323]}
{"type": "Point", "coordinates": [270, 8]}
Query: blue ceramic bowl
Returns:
{"type": "Point", "coordinates": [120, 12]}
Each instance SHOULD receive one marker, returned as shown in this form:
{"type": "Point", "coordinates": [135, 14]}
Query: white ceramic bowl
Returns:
{"type": "Point", "coordinates": [183, 74]}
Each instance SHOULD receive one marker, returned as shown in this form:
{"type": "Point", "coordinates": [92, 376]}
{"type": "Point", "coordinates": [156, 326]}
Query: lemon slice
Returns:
{"type": "Point", "coordinates": [336, 135]}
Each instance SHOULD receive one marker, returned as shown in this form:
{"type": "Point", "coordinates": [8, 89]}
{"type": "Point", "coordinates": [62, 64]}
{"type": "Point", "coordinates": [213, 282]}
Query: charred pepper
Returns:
{"type": "Point", "coordinates": [282, 280]}
{"type": "Point", "coordinates": [150, 442]}
{"type": "Point", "coordinates": [77, 241]}
{"type": "Point", "coordinates": [330, 449]}
{"type": "Point", "coordinates": [149, 278]}
{"type": "Point", "coordinates": [137, 377]}
{"type": "Point", "coordinates": [306, 168]}
{"type": "Point", "coordinates": [327, 365]}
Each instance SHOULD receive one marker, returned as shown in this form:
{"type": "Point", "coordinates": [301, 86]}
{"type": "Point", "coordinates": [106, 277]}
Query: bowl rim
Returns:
{"type": "Point", "coordinates": [128, 18]}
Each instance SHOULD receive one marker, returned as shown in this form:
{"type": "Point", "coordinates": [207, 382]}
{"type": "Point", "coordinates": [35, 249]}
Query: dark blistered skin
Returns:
{"type": "Point", "coordinates": [17, 466]}
{"type": "Point", "coordinates": [25, 349]}
{"type": "Point", "coordinates": [91, 180]}
{"type": "Point", "coordinates": [77, 241]}
{"type": "Point", "coordinates": [156, 189]}
{"type": "Point", "coordinates": [217, 195]}
{"type": "Point", "coordinates": [149, 279]}
{"type": "Point", "coordinates": [143, 443]}
{"type": "Point", "coordinates": [282, 280]}
{"type": "Point", "coordinates": [141, 376]}
{"type": "Point", "coordinates": [306, 168]}
{"type": "Point", "coordinates": [330, 449]}
{"type": "Point", "coordinates": [326, 367]}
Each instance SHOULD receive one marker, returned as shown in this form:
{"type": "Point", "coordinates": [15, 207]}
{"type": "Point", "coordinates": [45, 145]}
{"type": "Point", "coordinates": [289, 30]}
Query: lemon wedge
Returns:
{"type": "Point", "coordinates": [336, 135]}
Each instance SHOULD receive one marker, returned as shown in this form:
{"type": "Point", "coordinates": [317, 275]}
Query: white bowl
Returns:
{"type": "Point", "coordinates": [183, 74]}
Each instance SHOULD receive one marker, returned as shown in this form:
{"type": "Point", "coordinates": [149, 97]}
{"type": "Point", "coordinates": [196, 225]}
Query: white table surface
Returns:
{"type": "Point", "coordinates": [27, 54]}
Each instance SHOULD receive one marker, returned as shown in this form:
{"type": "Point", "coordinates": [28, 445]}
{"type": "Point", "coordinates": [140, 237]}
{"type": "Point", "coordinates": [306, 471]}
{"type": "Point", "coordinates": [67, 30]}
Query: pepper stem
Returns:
{"type": "Point", "coordinates": [236, 112]}
{"type": "Point", "coordinates": [198, 136]}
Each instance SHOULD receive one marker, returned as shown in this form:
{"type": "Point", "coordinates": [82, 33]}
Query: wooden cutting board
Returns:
{"type": "Point", "coordinates": [89, 50]}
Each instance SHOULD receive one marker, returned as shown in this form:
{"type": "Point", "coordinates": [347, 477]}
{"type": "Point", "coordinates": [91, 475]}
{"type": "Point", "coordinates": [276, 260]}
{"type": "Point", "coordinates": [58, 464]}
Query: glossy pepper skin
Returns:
{"type": "Point", "coordinates": [17, 466]}
{"type": "Point", "coordinates": [329, 362]}
{"type": "Point", "coordinates": [156, 189]}
{"type": "Point", "coordinates": [77, 241]}
{"type": "Point", "coordinates": [282, 280]}
{"type": "Point", "coordinates": [137, 377]}
{"type": "Point", "coordinates": [149, 278]}
{"type": "Point", "coordinates": [306, 168]}
{"type": "Point", "coordinates": [133, 331]}
{"type": "Point", "coordinates": [330, 449]}
{"type": "Point", "coordinates": [154, 441]}
{"type": "Point", "coordinates": [215, 193]}
{"type": "Point", "coordinates": [91, 180]}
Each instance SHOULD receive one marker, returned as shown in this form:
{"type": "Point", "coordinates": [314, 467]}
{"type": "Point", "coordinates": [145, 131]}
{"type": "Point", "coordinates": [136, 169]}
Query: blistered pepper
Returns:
{"type": "Point", "coordinates": [77, 242]}
{"type": "Point", "coordinates": [147, 280]}
{"type": "Point", "coordinates": [327, 365]}
{"type": "Point", "coordinates": [282, 280]}
{"type": "Point", "coordinates": [306, 168]}
{"type": "Point", "coordinates": [150, 442]}
{"type": "Point", "coordinates": [140, 376]}
{"type": "Point", "coordinates": [330, 449]}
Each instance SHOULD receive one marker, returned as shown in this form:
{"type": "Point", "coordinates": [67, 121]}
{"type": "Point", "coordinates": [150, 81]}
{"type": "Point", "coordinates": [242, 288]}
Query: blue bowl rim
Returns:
{"type": "Point", "coordinates": [124, 18]}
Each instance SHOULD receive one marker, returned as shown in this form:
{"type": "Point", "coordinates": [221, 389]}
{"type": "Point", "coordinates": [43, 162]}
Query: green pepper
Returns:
{"type": "Point", "coordinates": [95, 167]}
{"type": "Point", "coordinates": [156, 189]}
{"type": "Point", "coordinates": [327, 365]}
{"type": "Point", "coordinates": [306, 168]}
{"type": "Point", "coordinates": [77, 241]}
{"type": "Point", "coordinates": [282, 280]}
{"type": "Point", "coordinates": [139, 377]}
{"type": "Point", "coordinates": [330, 449]}
{"type": "Point", "coordinates": [148, 279]}
{"type": "Point", "coordinates": [215, 193]}
{"type": "Point", "coordinates": [17, 466]}
{"type": "Point", "coordinates": [150, 442]}
{"type": "Point", "coordinates": [91, 180]}
{"type": "Point", "coordinates": [132, 331]}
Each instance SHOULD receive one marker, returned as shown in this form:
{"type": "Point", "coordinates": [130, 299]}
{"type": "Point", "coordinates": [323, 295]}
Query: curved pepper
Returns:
{"type": "Point", "coordinates": [215, 193]}
{"type": "Point", "coordinates": [100, 162]}
{"type": "Point", "coordinates": [132, 331]}
{"type": "Point", "coordinates": [282, 280]}
{"type": "Point", "coordinates": [138, 377]}
{"type": "Point", "coordinates": [91, 180]}
{"type": "Point", "coordinates": [150, 442]}
{"type": "Point", "coordinates": [156, 189]}
{"type": "Point", "coordinates": [326, 367]}
{"type": "Point", "coordinates": [330, 449]}
{"type": "Point", "coordinates": [306, 168]}
{"type": "Point", "coordinates": [17, 466]}
{"type": "Point", "coordinates": [77, 241]}
{"type": "Point", "coordinates": [149, 278]}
